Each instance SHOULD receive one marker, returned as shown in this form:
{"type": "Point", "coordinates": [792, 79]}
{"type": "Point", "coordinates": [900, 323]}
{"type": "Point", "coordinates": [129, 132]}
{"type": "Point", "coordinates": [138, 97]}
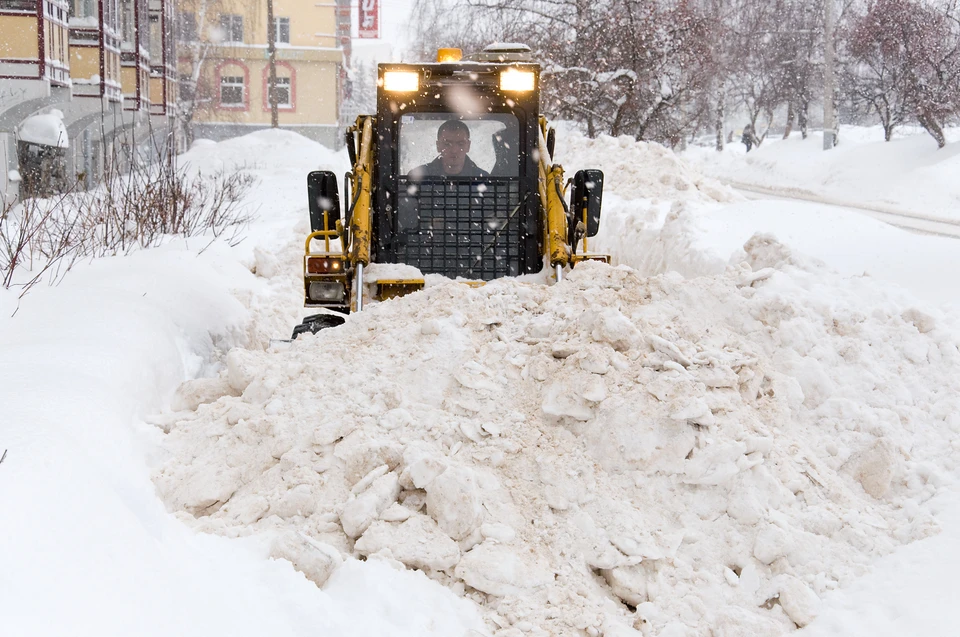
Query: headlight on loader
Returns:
{"type": "Point", "coordinates": [326, 291]}
{"type": "Point", "coordinates": [517, 80]}
{"type": "Point", "coordinates": [401, 81]}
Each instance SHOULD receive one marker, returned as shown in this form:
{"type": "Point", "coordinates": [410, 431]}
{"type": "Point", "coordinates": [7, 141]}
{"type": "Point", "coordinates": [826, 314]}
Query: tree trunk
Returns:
{"type": "Point", "coordinates": [272, 53]}
{"type": "Point", "coordinates": [790, 116]}
{"type": "Point", "coordinates": [887, 131]}
{"type": "Point", "coordinates": [802, 118]}
{"type": "Point", "coordinates": [931, 126]}
{"type": "Point", "coordinates": [721, 111]}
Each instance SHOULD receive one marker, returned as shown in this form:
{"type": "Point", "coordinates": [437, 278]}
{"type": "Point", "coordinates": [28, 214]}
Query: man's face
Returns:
{"type": "Point", "coordinates": [453, 146]}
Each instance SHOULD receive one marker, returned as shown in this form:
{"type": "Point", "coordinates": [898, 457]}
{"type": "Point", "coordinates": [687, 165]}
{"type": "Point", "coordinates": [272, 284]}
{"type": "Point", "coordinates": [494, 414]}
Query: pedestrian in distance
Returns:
{"type": "Point", "coordinates": [748, 138]}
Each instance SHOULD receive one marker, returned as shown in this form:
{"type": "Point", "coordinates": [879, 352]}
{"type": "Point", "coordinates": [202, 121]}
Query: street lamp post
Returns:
{"type": "Point", "coordinates": [272, 51]}
{"type": "Point", "coordinates": [829, 77]}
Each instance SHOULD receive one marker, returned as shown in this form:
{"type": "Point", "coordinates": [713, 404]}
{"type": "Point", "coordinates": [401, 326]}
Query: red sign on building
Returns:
{"type": "Point", "coordinates": [369, 22]}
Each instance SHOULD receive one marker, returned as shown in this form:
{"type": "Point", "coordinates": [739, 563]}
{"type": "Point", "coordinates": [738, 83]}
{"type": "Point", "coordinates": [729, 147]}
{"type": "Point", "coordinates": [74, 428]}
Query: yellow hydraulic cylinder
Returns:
{"type": "Point", "coordinates": [361, 221]}
{"type": "Point", "coordinates": [551, 196]}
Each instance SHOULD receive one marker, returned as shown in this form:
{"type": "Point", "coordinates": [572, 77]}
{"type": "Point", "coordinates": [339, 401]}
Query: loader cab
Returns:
{"type": "Point", "coordinates": [456, 171]}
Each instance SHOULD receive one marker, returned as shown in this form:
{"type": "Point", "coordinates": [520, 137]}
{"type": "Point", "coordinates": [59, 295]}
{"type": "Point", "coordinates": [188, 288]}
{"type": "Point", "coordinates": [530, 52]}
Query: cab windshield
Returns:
{"type": "Point", "coordinates": [449, 146]}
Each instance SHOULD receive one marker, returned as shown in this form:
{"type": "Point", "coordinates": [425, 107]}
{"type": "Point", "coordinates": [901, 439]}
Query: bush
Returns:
{"type": "Point", "coordinates": [138, 209]}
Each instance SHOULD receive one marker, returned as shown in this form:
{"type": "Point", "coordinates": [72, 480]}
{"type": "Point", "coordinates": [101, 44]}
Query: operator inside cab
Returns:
{"type": "Point", "coordinates": [453, 144]}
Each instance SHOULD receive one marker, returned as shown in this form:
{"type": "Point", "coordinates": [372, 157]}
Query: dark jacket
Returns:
{"type": "Point", "coordinates": [435, 169]}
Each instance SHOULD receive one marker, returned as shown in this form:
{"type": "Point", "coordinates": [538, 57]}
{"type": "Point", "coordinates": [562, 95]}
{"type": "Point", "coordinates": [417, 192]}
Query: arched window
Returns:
{"type": "Point", "coordinates": [233, 85]}
{"type": "Point", "coordinates": [286, 87]}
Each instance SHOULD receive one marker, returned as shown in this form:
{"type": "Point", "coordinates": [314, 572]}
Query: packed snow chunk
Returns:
{"type": "Point", "coordinates": [316, 560]}
{"type": "Point", "coordinates": [360, 512]}
{"type": "Point", "coordinates": [417, 542]}
{"type": "Point", "coordinates": [876, 467]}
{"type": "Point", "coordinates": [499, 532]}
{"type": "Point", "coordinates": [610, 326]}
{"type": "Point", "coordinates": [241, 369]}
{"type": "Point", "coordinates": [390, 271]}
{"type": "Point", "coordinates": [771, 543]}
{"type": "Point", "coordinates": [629, 583]}
{"type": "Point", "coordinates": [613, 628]}
{"type": "Point", "coordinates": [454, 501]}
{"type": "Point", "coordinates": [732, 621]}
{"type": "Point", "coordinates": [921, 320]}
{"type": "Point", "coordinates": [422, 471]}
{"type": "Point", "coordinates": [715, 465]}
{"type": "Point", "coordinates": [564, 399]}
{"type": "Point", "coordinates": [46, 129]}
{"type": "Point", "coordinates": [498, 569]}
{"type": "Point", "coordinates": [208, 487]}
{"type": "Point", "coordinates": [201, 391]}
{"type": "Point", "coordinates": [799, 602]}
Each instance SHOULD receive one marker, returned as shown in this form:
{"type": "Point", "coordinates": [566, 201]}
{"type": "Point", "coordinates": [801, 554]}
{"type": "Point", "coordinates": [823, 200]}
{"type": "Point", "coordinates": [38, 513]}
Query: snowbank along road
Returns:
{"type": "Point", "coordinates": [625, 453]}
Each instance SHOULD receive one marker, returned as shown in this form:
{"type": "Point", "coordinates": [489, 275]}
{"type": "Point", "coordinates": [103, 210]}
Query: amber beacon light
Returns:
{"type": "Point", "coordinates": [449, 55]}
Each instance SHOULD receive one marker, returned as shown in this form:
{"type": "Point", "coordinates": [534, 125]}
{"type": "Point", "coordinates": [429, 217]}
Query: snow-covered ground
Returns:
{"type": "Point", "coordinates": [908, 174]}
{"type": "Point", "coordinates": [723, 434]}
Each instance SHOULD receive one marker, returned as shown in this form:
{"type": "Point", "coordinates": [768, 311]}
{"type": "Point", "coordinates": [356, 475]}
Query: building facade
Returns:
{"type": "Point", "coordinates": [224, 58]}
{"type": "Point", "coordinates": [83, 83]}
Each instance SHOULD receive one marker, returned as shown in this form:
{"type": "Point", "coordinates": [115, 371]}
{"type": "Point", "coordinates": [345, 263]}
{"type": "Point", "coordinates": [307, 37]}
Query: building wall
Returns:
{"type": "Point", "coordinates": [311, 62]}
{"type": "Point", "coordinates": [56, 54]}
{"type": "Point", "coordinates": [20, 41]}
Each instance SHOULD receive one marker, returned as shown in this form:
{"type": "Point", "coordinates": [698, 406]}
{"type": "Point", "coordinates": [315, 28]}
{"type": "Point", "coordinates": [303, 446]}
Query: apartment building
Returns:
{"type": "Point", "coordinates": [83, 83]}
{"type": "Point", "coordinates": [224, 58]}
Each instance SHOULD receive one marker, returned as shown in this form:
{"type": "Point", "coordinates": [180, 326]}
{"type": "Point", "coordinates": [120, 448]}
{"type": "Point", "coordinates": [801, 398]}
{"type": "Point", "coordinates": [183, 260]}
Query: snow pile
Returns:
{"type": "Point", "coordinates": [638, 170]}
{"type": "Point", "coordinates": [613, 454]}
{"type": "Point", "coordinates": [46, 129]}
{"type": "Point", "coordinates": [280, 160]}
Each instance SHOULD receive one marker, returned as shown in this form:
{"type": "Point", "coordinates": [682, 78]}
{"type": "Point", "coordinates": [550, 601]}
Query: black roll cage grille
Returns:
{"type": "Point", "coordinates": [436, 82]}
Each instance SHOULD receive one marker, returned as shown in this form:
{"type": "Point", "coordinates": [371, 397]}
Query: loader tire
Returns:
{"type": "Point", "coordinates": [317, 322]}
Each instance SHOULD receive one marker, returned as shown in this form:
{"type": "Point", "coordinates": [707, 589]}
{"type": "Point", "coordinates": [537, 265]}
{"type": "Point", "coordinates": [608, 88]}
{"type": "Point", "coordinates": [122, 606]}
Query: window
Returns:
{"type": "Point", "coordinates": [281, 30]}
{"type": "Point", "coordinates": [490, 142]}
{"type": "Point", "coordinates": [187, 27]}
{"type": "Point", "coordinates": [26, 6]}
{"type": "Point", "coordinates": [232, 27]}
{"type": "Point", "coordinates": [282, 91]}
{"type": "Point", "coordinates": [231, 91]}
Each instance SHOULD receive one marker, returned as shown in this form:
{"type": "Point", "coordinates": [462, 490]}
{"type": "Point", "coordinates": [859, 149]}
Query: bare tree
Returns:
{"type": "Point", "coordinates": [904, 62]}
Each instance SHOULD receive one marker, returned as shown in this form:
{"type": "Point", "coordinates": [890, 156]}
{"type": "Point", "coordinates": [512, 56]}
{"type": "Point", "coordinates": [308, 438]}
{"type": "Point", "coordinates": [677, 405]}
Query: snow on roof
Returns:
{"type": "Point", "coordinates": [46, 129]}
{"type": "Point", "coordinates": [507, 46]}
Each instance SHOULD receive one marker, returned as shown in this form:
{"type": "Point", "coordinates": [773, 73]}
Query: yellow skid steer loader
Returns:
{"type": "Point", "coordinates": [454, 175]}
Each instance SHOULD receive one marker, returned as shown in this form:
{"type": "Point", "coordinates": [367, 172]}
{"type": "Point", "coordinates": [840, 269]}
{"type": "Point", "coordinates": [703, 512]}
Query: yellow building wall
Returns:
{"type": "Point", "coordinates": [314, 94]}
{"type": "Point", "coordinates": [128, 80]}
{"type": "Point", "coordinates": [84, 62]}
{"type": "Point", "coordinates": [317, 98]}
{"type": "Point", "coordinates": [18, 37]}
{"type": "Point", "coordinates": [156, 89]}
{"type": "Point", "coordinates": [306, 20]}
